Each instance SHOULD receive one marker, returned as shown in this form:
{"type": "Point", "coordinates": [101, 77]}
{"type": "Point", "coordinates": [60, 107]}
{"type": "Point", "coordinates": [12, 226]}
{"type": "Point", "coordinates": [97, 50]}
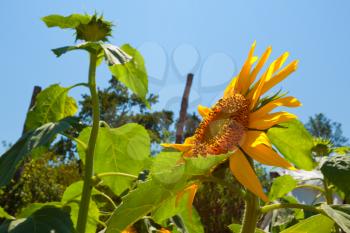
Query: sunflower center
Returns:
{"type": "Point", "coordinates": [223, 128]}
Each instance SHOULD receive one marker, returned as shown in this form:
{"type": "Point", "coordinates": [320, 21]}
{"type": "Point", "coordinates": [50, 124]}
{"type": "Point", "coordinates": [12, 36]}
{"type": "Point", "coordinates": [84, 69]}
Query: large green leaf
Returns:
{"type": "Point", "coordinates": [88, 46]}
{"type": "Point", "coordinates": [31, 140]}
{"type": "Point", "coordinates": [46, 219]}
{"type": "Point", "coordinates": [294, 142]}
{"type": "Point", "coordinates": [133, 74]}
{"type": "Point", "coordinates": [52, 105]}
{"type": "Point", "coordinates": [317, 223]}
{"type": "Point", "coordinates": [340, 214]}
{"type": "Point", "coordinates": [72, 197]}
{"type": "Point", "coordinates": [162, 186]}
{"type": "Point", "coordinates": [236, 228]}
{"type": "Point", "coordinates": [337, 170]}
{"type": "Point", "coordinates": [31, 208]}
{"type": "Point", "coordinates": [281, 186]}
{"type": "Point", "coordinates": [125, 149]}
{"type": "Point", "coordinates": [71, 21]}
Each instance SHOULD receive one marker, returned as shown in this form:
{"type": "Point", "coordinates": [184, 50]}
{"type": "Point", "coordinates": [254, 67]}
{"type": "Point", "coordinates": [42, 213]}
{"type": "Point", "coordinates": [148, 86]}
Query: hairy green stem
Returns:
{"type": "Point", "coordinates": [272, 207]}
{"type": "Point", "coordinates": [89, 158]}
{"type": "Point", "coordinates": [328, 192]}
{"type": "Point", "coordinates": [251, 213]}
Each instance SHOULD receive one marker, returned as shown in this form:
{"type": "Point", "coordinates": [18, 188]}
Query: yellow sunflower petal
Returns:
{"type": "Point", "coordinates": [258, 67]}
{"type": "Point", "coordinates": [191, 190]}
{"type": "Point", "coordinates": [203, 111]}
{"type": "Point", "coordinates": [242, 81]}
{"type": "Point", "coordinates": [280, 61]}
{"type": "Point", "coordinates": [259, 148]}
{"type": "Point", "coordinates": [189, 140]}
{"type": "Point", "coordinates": [257, 92]}
{"type": "Point", "coordinates": [254, 138]}
{"type": "Point", "coordinates": [280, 76]}
{"type": "Point", "coordinates": [288, 101]}
{"type": "Point", "coordinates": [230, 88]}
{"type": "Point", "coordinates": [270, 120]}
{"type": "Point", "coordinates": [241, 169]}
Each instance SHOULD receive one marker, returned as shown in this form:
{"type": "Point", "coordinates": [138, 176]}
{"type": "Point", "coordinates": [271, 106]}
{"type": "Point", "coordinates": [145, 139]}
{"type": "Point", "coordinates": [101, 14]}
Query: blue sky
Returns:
{"type": "Point", "coordinates": [209, 38]}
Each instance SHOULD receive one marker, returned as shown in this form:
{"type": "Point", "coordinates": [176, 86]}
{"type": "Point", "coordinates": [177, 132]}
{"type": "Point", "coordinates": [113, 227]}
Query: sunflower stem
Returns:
{"type": "Point", "coordinates": [251, 213]}
{"type": "Point", "coordinates": [252, 209]}
{"type": "Point", "coordinates": [87, 187]}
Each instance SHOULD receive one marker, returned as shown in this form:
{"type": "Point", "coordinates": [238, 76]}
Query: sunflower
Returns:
{"type": "Point", "coordinates": [238, 122]}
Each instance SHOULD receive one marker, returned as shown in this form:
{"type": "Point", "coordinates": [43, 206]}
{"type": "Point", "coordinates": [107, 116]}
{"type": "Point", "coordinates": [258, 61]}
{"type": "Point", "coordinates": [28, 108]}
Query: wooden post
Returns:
{"type": "Point", "coordinates": [36, 91]}
{"type": "Point", "coordinates": [19, 171]}
{"type": "Point", "coordinates": [183, 110]}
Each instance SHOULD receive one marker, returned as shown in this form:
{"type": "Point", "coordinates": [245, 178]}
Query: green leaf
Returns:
{"type": "Point", "coordinates": [281, 186]}
{"type": "Point", "coordinates": [31, 208]}
{"type": "Point", "coordinates": [294, 142]}
{"type": "Point", "coordinates": [161, 188]}
{"type": "Point", "coordinates": [340, 215]}
{"type": "Point", "coordinates": [72, 197]}
{"type": "Point", "coordinates": [88, 46]}
{"type": "Point", "coordinates": [52, 104]}
{"type": "Point", "coordinates": [236, 228]}
{"type": "Point", "coordinates": [132, 74]}
{"type": "Point", "coordinates": [71, 21]}
{"type": "Point", "coordinates": [46, 219]}
{"type": "Point", "coordinates": [31, 140]}
{"type": "Point", "coordinates": [191, 221]}
{"type": "Point", "coordinates": [317, 223]}
{"type": "Point", "coordinates": [337, 170]}
{"type": "Point", "coordinates": [4, 214]}
{"type": "Point", "coordinates": [125, 149]}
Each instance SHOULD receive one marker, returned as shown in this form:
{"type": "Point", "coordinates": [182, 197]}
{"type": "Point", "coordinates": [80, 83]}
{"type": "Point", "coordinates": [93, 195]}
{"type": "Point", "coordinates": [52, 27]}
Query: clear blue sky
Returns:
{"type": "Point", "coordinates": [209, 38]}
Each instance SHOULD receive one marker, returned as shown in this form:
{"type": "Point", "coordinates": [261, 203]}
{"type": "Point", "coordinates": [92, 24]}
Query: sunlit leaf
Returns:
{"type": "Point", "coordinates": [294, 142]}
{"type": "Point", "coordinates": [340, 214]}
{"type": "Point", "coordinates": [317, 223]}
{"type": "Point", "coordinates": [31, 140]}
{"type": "Point", "coordinates": [125, 149]}
{"type": "Point", "coordinates": [281, 186]}
{"type": "Point", "coordinates": [337, 170]}
{"type": "Point", "coordinates": [71, 21]}
{"type": "Point", "coordinates": [150, 195]}
{"type": "Point", "coordinates": [51, 105]}
{"type": "Point", "coordinates": [46, 219]}
{"type": "Point", "coordinates": [132, 74]}
{"type": "Point", "coordinates": [4, 214]}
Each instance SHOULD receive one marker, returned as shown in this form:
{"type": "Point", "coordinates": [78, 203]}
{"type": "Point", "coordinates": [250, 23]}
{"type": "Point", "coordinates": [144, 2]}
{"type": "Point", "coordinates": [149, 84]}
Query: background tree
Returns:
{"type": "Point", "coordinates": [322, 127]}
{"type": "Point", "coordinates": [119, 106]}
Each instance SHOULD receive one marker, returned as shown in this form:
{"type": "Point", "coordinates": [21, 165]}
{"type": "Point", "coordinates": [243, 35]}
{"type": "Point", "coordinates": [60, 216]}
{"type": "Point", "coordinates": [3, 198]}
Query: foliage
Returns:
{"type": "Point", "coordinates": [42, 180]}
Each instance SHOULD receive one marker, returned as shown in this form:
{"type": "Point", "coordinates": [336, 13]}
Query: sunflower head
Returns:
{"type": "Point", "coordinates": [238, 122]}
{"type": "Point", "coordinates": [223, 128]}
{"type": "Point", "coordinates": [97, 29]}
